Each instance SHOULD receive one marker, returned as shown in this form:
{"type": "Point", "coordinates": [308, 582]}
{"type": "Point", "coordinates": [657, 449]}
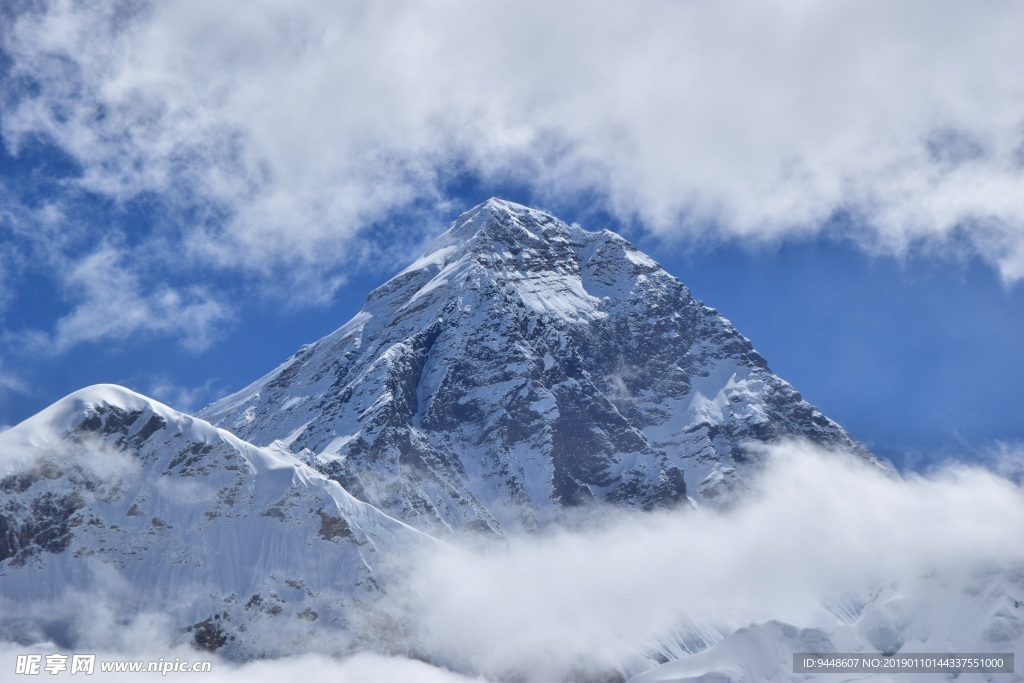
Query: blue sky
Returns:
{"type": "Point", "coordinates": [189, 192]}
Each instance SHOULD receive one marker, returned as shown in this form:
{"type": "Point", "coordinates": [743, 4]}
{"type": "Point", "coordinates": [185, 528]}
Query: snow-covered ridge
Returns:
{"type": "Point", "coordinates": [234, 541]}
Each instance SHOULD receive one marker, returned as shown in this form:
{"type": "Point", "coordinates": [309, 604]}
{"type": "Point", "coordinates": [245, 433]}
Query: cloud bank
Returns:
{"type": "Point", "coordinates": [823, 526]}
{"type": "Point", "coordinates": [828, 543]}
{"type": "Point", "coordinates": [298, 125]}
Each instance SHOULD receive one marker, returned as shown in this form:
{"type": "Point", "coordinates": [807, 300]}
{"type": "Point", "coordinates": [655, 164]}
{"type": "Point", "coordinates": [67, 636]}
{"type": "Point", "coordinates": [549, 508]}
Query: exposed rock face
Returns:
{"type": "Point", "coordinates": [523, 367]}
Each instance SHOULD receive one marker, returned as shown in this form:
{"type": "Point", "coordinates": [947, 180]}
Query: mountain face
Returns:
{"type": "Point", "coordinates": [520, 373]}
{"type": "Point", "coordinates": [247, 550]}
{"type": "Point", "coordinates": [523, 368]}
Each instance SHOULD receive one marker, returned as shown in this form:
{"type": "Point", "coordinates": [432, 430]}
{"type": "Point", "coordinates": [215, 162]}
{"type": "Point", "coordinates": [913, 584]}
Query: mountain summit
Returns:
{"type": "Point", "coordinates": [499, 223]}
{"type": "Point", "coordinates": [520, 368]}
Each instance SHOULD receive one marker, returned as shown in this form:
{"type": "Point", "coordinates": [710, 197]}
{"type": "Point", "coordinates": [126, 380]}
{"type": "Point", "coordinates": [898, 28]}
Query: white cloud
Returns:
{"type": "Point", "coordinates": [824, 525]}
{"type": "Point", "coordinates": [10, 382]}
{"type": "Point", "coordinates": [310, 120]}
{"type": "Point", "coordinates": [165, 389]}
{"type": "Point", "coordinates": [113, 303]}
{"type": "Point", "coordinates": [1006, 458]}
{"type": "Point", "coordinates": [90, 463]}
{"type": "Point", "coordinates": [828, 542]}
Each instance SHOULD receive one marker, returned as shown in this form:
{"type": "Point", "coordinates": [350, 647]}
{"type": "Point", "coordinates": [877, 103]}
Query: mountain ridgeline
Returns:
{"type": "Point", "coordinates": [520, 374]}
{"type": "Point", "coordinates": [519, 369]}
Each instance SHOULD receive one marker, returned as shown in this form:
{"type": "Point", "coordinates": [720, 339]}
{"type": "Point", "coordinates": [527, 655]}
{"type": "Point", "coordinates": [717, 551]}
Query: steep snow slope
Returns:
{"type": "Point", "coordinates": [113, 499]}
{"type": "Point", "coordinates": [520, 368]}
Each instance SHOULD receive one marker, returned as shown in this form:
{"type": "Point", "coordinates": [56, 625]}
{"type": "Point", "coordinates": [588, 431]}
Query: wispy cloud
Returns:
{"type": "Point", "coordinates": [165, 389]}
{"type": "Point", "coordinates": [1006, 458]}
{"type": "Point", "coordinates": [305, 122]}
{"type": "Point", "coordinates": [112, 302]}
{"type": "Point", "coordinates": [10, 382]}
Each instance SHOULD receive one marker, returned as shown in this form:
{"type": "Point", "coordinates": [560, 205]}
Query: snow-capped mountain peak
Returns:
{"type": "Point", "coordinates": [499, 224]}
{"type": "Point", "coordinates": [501, 249]}
{"type": "Point", "coordinates": [520, 368]}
